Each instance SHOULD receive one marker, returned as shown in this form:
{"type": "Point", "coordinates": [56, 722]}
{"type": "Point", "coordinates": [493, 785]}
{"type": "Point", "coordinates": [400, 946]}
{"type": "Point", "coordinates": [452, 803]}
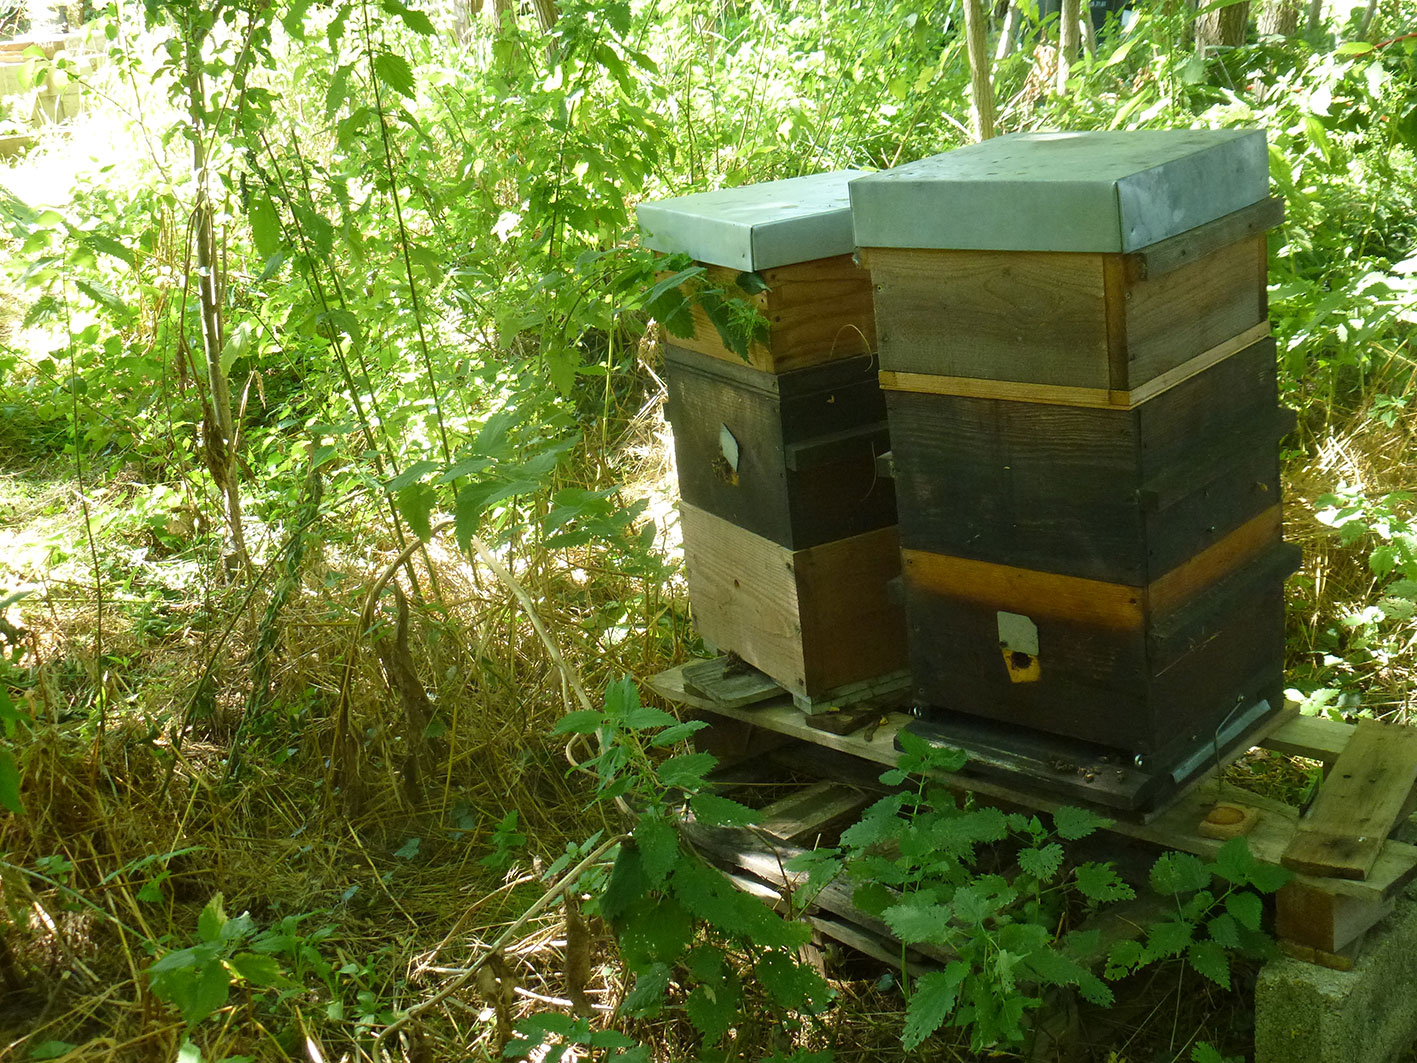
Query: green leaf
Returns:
{"type": "Point", "coordinates": [394, 71]}
{"type": "Point", "coordinates": [10, 783]}
{"type": "Point", "coordinates": [415, 505]}
{"type": "Point", "coordinates": [1167, 938]}
{"type": "Point", "coordinates": [933, 1001]}
{"type": "Point", "coordinates": [642, 717]}
{"type": "Point", "coordinates": [1267, 878]}
{"type": "Point", "coordinates": [1042, 863]}
{"type": "Point", "coordinates": [1123, 958]}
{"type": "Point", "coordinates": [580, 722]}
{"type": "Point", "coordinates": [793, 984]}
{"type": "Point", "coordinates": [259, 970]}
{"type": "Point", "coordinates": [1205, 1052]}
{"type": "Point", "coordinates": [212, 919]}
{"type": "Point", "coordinates": [1210, 959]}
{"type": "Point", "coordinates": [721, 812]}
{"type": "Point", "coordinates": [1247, 909]}
{"type": "Point", "coordinates": [51, 1049]}
{"type": "Point", "coordinates": [678, 733]}
{"type": "Point", "coordinates": [1053, 968]}
{"type": "Point", "coordinates": [672, 281]}
{"type": "Point", "coordinates": [416, 472]}
{"type": "Point", "coordinates": [655, 930]}
{"type": "Point", "coordinates": [687, 770]}
{"type": "Point", "coordinates": [414, 20]}
{"type": "Point", "coordinates": [752, 283]}
{"type": "Point", "coordinates": [1234, 863]}
{"type": "Point", "coordinates": [1179, 872]}
{"type": "Point", "coordinates": [712, 1009]}
{"type": "Point", "coordinates": [102, 294]}
{"type": "Point", "coordinates": [918, 921]}
{"type": "Point", "coordinates": [647, 997]}
{"type": "Point", "coordinates": [1353, 48]}
{"type": "Point", "coordinates": [1074, 823]}
{"type": "Point", "coordinates": [659, 848]}
{"type": "Point", "coordinates": [1101, 884]}
{"type": "Point", "coordinates": [628, 882]}
{"type": "Point", "coordinates": [265, 226]}
{"type": "Point", "coordinates": [1224, 931]}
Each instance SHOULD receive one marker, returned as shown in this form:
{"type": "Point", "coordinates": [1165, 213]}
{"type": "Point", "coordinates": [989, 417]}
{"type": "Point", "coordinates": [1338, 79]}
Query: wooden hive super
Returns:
{"type": "Point", "coordinates": [1084, 425]}
{"type": "Point", "coordinates": [789, 534]}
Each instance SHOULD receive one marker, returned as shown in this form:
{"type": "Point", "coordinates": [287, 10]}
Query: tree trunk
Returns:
{"type": "Point", "coordinates": [1279, 18]}
{"type": "Point", "coordinates": [1225, 27]}
{"type": "Point", "coordinates": [1089, 34]}
{"type": "Point", "coordinates": [981, 84]}
{"type": "Point", "coordinates": [1069, 37]}
{"type": "Point", "coordinates": [218, 425]}
{"type": "Point", "coordinates": [1366, 22]}
{"type": "Point", "coordinates": [1009, 35]}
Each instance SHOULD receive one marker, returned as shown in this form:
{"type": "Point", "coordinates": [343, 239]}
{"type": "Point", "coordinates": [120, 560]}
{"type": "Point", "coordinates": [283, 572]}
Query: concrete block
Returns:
{"type": "Point", "coordinates": [1310, 1014]}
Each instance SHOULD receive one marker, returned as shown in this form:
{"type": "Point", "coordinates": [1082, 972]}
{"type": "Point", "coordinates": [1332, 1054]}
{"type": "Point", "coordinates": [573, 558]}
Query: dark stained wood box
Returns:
{"type": "Point", "coordinates": [815, 620]}
{"type": "Point", "coordinates": [787, 456]}
{"type": "Point", "coordinates": [1111, 494]}
{"type": "Point", "coordinates": [1084, 425]}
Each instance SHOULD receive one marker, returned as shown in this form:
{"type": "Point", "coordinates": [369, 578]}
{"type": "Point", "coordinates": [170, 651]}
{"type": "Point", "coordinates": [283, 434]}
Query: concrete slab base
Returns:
{"type": "Point", "coordinates": [1310, 1014]}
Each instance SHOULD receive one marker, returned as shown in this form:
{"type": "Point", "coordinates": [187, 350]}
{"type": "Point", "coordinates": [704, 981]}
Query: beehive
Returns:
{"type": "Point", "coordinates": [789, 534]}
{"type": "Point", "coordinates": [1084, 424]}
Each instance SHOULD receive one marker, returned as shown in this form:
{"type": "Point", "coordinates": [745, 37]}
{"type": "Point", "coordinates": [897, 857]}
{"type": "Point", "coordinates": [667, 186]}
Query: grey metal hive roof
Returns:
{"type": "Point", "coordinates": [753, 227]}
{"type": "Point", "coordinates": [1097, 191]}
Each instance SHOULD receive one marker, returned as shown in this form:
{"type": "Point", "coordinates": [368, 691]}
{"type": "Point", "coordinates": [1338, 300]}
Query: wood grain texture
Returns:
{"type": "Point", "coordinates": [1358, 804]}
{"type": "Point", "coordinates": [1061, 395]}
{"type": "Point", "coordinates": [783, 489]}
{"type": "Point", "coordinates": [817, 311]}
{"type": "Point", "coordinates": [1116, 495]}
{"type": "Point", "coordinates": [1312, 917]}
{"type": "Point", "coordinates": [1173, 318]}
{"type": "Point", "coordinates": [1085, 321]}
{"type": "Point", "coordinates": [1194, 244]}
{"type": "Point", "coordinates": [813, 620]}
{"type": "Point", "coordinates": [1003, 315]}
{"type": "Point", "coordinates": [1245, 545]}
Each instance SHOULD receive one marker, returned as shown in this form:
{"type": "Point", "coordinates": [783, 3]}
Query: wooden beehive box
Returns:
{"type": "Point", "coordinates": [795, 236]}
{"type": "Point", "coordinates": [1084, 426]}
{"type": "Point", "coordinates": [789, 534]}
{"type": "Point", "coordinates": [787, 456]}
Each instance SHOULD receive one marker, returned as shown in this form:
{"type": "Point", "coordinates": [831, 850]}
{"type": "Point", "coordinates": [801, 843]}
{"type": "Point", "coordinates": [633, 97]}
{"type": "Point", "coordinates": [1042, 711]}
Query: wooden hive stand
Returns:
{"type": "Point", "coordinates": [1349, 868]}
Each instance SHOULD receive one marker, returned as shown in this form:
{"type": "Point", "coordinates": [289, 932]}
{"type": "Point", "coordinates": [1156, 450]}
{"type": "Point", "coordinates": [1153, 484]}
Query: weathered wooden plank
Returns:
{"type": "Point", "coordinates": [1245, 545]}
{"type": "Point", "coordinates": [1176, 826]}
{"type": "Point", "coordinates": [804, 815]}
{"type": "Point", "coordinates": [813, 620]}
{"type": "Point", "coordinates": [1172, 318]}
{"type": "Point", "coordinates": [1315, 737]}
{"type": "Point", "coordinates": [817, 311]}
{"type": "Point", "coordinates": [1358, 804]}
{"type": "Point", "coordinates": [1195, 244]}
{"type": "Point", "coordinates": [1027, 316]}
{"type": "Point", "coordinates": [725, 681]}
{"type": "Point", "coordinates": [1313, 917]}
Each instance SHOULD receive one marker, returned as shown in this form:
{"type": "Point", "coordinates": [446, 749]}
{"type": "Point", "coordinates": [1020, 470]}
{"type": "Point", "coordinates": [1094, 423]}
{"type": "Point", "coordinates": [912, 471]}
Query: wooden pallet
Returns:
{"type": "Point", "coordinates": [1344, 882]}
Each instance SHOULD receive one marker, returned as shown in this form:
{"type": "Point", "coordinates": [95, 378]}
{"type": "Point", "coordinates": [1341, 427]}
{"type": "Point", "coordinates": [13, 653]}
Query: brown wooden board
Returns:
{"type": "Point", "coordinates": [1092, 321]}
{"type": "Point", "coordinates": [1358, 804]}
{"type": "Point", "coordinates": [804, 444]}
{"type": "Point", "coordinates": [1133, 678]}
{"type": "Point", "coordinates": [814, 620]}
{"type": "Point", "coordinates": [817, 311]}
{"type": "Point", "coordinates": [1120, 496]}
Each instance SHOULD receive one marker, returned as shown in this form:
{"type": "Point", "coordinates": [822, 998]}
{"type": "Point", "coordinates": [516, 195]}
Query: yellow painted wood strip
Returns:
{"type": "Point", "coordinates": [1059, 395]}
{"type": "Point", "coordinates": [1242, 546]}
{"type": "Point", "coordinates": [1027, 591]}
{"type": "Point", "coordinates": [1199, 364]}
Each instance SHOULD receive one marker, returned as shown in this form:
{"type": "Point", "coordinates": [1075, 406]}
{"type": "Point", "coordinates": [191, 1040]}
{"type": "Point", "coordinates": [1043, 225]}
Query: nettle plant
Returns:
{"type": "Point", "coordinates": [989, 889]}
{"type": "Point", "coordinates": [918, 862]}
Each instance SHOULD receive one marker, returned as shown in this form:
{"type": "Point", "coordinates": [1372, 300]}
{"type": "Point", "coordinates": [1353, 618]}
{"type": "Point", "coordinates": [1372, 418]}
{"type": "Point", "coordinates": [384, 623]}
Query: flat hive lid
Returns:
{"type": "Point", "coordinates": [753, 227]}
{"type": "Point", "coordinates": [1099, 191]}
